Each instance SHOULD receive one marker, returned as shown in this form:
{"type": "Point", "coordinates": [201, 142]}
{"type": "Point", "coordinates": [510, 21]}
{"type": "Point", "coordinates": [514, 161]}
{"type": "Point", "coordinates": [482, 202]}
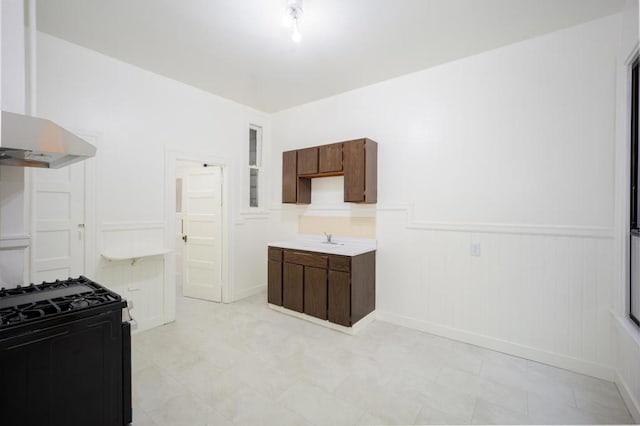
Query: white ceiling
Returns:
{"type": "Point", "coordinates": [239, 49]}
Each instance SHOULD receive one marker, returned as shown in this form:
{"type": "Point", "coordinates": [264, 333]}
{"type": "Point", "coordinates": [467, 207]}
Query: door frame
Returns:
{"type": "Point", "coordinates": [172, 154]}
{"type": "Point", "coordinates": [90, 219]}
{"type": "Point", "coordinates": [202, 170]}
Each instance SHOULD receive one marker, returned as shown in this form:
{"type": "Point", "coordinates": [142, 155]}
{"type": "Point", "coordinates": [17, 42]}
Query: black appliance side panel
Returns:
{"type": "Point", "coordinates": [127, 409]}
{"type": "Point", "coordinates": [70, 374]}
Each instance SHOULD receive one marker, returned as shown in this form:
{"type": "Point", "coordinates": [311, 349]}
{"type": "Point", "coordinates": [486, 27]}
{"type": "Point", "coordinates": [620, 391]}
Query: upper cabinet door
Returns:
{"type": "Point", "coordinates": [354, 171]}
{"type": "Point", "coordinates": [360, 159]}
{"type": "Point", "coordinates": [308, 161]}
{"type": "Point", "coordinates": [289, 177]}
{"type": "Point", "coordinates": [330, 158]}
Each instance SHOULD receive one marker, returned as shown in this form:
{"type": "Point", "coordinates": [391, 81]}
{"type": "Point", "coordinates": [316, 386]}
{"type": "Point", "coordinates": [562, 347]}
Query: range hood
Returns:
{"type": "Point", "coordinates": [36, 142]}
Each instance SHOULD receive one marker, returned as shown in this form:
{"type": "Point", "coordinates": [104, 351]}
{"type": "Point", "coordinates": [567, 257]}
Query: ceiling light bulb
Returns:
{"type": "Point", "coordinates": [295, 34]}
{"type": "Point", "coordinates": [287, 19]}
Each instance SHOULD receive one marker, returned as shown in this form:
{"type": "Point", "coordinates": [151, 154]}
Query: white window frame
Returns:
{"type": "Point", "coordinates": [257, 166]}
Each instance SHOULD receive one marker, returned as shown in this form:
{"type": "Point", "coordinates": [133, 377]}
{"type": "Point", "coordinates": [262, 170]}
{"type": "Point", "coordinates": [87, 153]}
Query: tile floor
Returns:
{"type": "Point", "coordinates": [246, 364]}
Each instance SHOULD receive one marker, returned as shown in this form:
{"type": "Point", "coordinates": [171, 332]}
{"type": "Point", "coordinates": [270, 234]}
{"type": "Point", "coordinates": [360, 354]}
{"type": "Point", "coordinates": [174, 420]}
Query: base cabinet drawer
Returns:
{"type": "Point", "coordinates": [292, 286]}
{"type": "Point", "coordinates": [306, 259]}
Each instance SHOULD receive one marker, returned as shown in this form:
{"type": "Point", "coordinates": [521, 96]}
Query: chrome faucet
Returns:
{"type": "Point", "coordinates": [328, 238]}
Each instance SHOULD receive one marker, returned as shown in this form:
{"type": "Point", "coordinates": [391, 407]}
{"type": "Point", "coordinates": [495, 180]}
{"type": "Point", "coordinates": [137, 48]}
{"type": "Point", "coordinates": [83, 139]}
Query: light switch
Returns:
{"type": "Point", "coordinates": [475, 249]}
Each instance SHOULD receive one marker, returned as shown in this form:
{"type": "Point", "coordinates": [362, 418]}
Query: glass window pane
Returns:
{"type": "Point", "coordinates": [253, 147]}
{"type": "Point", "coordinates": [253, 187]}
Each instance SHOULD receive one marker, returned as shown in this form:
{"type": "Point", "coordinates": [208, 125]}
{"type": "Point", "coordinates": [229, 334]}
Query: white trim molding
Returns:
{"type": "Point", "coordinates": [625, 392]}
{"type": "Point", "coordinates": [173, 154]}
{"type": "Point", "coordinates": [249, 292]}
{"type": "Point", "coordinates": [353, 330]}
{"type": "Point", "coordinates": [131, 226]}
{"type": "Point", "coordinates": [625, 379]}
{"type": "Point", "coordinates": [597, 232]}
{"type": "Point", "coordinates": [14, 241]}
{"type": "Point", "coordinates": [257, 215]}
{"type": "Point", "coordinates": [247, 215]}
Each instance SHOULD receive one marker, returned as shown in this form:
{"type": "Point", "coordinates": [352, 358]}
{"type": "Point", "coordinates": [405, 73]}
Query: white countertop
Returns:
{"type": "Point", "coordinates": [344, 246]}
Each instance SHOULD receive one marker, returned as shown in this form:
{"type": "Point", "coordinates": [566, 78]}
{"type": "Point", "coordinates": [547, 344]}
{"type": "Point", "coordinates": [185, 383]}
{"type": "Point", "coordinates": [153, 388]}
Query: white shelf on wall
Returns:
{"type": "Point", "coordinates": [14, 241]}
{"type": "Point", "coordinates": [134, 255]}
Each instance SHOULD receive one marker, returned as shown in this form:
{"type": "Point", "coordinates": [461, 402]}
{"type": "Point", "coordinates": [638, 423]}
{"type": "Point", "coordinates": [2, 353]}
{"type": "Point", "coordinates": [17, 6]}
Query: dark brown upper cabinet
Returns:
{"type": "Point", "coordinates": [289, 177]}
{"type": "Point", "coordinates": [308, 161]}
{"type": "Point", "coordinates": [360, 171]}
{"type": "Point", "coordinates": [295, 189]}
{"type": "Point", "coordinates": [357, 160]}
{"type": "Point", "coordinates": [330, 158]}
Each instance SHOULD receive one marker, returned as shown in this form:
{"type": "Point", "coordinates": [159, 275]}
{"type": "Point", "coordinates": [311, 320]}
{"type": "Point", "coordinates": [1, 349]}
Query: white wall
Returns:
{"type": "Point", "coordinates": [512, 149]}
{"type": "Point", "coordinates": [139, 118]}
{"type": "Point", "coordinates": [14, 239]}
{"type": "Point", "coordinates": [627, 335]}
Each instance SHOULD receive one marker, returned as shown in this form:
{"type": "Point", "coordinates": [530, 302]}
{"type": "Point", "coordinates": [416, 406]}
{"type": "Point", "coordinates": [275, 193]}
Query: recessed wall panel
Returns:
{"type": "Point", "coordinates": [53, 206]}
{"type": "Point", "coordinates": [53, 244]}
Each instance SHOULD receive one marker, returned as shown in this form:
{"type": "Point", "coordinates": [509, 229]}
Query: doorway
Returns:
{"type": "Point", "coordinates": [199, 230]}
{"type": "Point", "coordinates": [58, 223]}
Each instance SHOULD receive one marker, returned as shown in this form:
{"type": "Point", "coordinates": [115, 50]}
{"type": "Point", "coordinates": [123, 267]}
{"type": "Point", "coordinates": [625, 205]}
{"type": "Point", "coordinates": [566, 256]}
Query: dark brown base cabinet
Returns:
{"type": "Point", "coordinates": [340, 289]}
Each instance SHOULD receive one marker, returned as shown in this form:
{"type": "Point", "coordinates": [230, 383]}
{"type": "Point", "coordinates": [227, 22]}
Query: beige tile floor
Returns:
{"type": "Point", "coordinates": [243, 363]}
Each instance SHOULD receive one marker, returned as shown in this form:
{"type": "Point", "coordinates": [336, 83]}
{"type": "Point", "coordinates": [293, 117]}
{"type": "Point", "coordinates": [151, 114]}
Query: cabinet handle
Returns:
{"type": "Point", "coordinates": [133, 289]}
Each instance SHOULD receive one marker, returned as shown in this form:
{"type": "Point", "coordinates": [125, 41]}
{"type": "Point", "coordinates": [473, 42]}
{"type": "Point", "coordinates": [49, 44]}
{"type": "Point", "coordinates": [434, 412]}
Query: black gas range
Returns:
{"type": "Point", "coordinates": [65, 355]}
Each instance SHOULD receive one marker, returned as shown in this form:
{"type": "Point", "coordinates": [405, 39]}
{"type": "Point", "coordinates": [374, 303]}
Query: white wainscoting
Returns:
{"type": "Point", "coordinates": [250, 248]}
{"type": "Point", "coordinates": [13, 252]}
{"type": "Point", "coordinates": [628, 362]}
{"type": "Point", "coordinates": [543, 293]}
{"type": "Point", "coordinates": [141, 282]}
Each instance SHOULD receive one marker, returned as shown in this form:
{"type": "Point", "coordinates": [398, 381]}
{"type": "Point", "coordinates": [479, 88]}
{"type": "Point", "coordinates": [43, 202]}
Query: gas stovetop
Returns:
{"type": "Point", "coordinates": [39, 301]}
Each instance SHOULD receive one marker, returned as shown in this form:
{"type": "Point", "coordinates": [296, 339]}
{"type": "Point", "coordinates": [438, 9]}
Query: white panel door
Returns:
{"type": "Point", "coordinates": [59, 218]}
{"type": "Point", "coordinates": [202, 221]}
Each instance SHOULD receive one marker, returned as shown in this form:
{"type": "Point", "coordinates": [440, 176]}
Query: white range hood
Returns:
{"type": "Point", "coordinates": [36, 142]}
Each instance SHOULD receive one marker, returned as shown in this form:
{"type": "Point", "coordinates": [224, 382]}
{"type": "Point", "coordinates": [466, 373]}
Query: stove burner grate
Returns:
{"type": "Point", "coordinates": [23, 304]}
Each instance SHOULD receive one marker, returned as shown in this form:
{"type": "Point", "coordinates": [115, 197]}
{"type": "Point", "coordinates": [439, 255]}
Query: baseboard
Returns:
{"type": "Point", "coordinates": [626, 330]}
{"type": "Point", "coordinates": [145, 325]}
{"type": "Point", "coordinates": [557, 360]}
{"type": "Point", "coordinates": [353, 330]}
{"type": "Point", "coordinates": [632, 405]}
{"type": "Point", "coordinates": [248, 292]}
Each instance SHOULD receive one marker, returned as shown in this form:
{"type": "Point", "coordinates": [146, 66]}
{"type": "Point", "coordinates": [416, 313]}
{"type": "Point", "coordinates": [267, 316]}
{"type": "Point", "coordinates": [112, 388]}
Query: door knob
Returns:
{"type": "Point", "coordinates": [184, 238]}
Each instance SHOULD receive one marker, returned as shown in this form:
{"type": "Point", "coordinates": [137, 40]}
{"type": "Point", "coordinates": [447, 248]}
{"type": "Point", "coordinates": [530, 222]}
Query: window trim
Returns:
{"type": "Point", "coordinates": [634, 230]}
{"type": "Point", "coordinates": [257, 166]}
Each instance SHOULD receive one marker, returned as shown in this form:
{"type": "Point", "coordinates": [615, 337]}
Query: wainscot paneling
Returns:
{"type": "Point", "coordinates": [140, 282]}
{"type": "Point", "coordinates": [13, 252]}
{"type": "Point", "coordinates": [542, 296]}
{"type": "Point", "coordinates": [250, 245]}
{"type": "Point", "coordinates": [628, 363]}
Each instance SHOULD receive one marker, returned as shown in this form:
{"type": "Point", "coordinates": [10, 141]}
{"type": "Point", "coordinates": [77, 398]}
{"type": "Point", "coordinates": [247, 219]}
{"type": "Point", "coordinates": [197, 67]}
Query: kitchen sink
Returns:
{"type": "Point", "coordinates": [323, 246]}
